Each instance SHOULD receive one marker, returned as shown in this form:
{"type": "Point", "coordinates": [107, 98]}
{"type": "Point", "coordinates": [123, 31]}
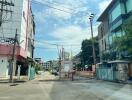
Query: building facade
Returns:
{"type": "Point", "coordinates": [47, 65]}
{"type": "Point", "coordinates": [31, 34]}
{"type": "Point", "coordinates": [66, 62]}
{"type": "Point", "coordinates": [21, 20]}
{"type": "Point", "coordinates": [111, 23]}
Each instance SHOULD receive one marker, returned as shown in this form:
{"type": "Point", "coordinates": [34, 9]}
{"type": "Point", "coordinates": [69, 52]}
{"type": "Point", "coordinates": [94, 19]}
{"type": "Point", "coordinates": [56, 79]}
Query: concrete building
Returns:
{"type": "Point", "coordinates": [76, 61]}
{"type": "Point", "coordinates": [22, 20]}
{"type": "Point", "coordinates": [66, 63]}
{"type": "Point", "coordinates": [47, 65]}
{"type": "Point", "coordinates": [38, 60]}
{"type": "Point", "coordinates": [31, 34]}
{"type": "Point", "coordinates": [111, 20]}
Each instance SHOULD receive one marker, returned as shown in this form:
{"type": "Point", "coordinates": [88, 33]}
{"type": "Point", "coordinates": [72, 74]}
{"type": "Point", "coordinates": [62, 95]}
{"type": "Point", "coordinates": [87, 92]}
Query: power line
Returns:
{"type": "Point", "coordinates": [54, 44]}
{"type": "Point", "coordinates": [57, 44]}
{"type": "Point", "coordinates": [42, 3]}
{"type": "Point", "coordinates": [56, 3]}
{"type": "Point", "coordinates": [44, 48]}
{"type": "Point", "coordinates": [37, 2]}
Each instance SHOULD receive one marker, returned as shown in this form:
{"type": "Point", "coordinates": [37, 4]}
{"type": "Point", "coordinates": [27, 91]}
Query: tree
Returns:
{"type": "Point", "coordinates": [87, 51]}
{"type": "Point", "coordinates": [37, 67]}
{"type": "Point", "coordinates": [109, 56]}
{"type": "Point", "coordinates": [123, 44]}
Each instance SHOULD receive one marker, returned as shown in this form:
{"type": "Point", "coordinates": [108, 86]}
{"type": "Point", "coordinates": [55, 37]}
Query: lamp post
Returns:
{"type": "Point", "coordinates": [59, 54]}
{"type": "Point", "coordinates": [93, 46]}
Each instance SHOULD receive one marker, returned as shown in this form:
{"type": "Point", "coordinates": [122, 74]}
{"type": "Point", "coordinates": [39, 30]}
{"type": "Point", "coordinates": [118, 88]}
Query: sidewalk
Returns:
{"type": "Point", "coordinates": [46, 76]}
{"type": "Point", "coordinates": [6, 80]}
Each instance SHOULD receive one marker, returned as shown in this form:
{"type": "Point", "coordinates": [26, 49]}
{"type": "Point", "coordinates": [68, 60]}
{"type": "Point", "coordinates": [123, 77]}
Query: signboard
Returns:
{"type": "Point", "coordinates": [4, 40]}
{"type": "Point", "coordinates": [66, 67]}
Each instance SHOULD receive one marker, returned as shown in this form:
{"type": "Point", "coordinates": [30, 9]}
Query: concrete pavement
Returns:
{"type": "Point", "coordinates": [42, 89]}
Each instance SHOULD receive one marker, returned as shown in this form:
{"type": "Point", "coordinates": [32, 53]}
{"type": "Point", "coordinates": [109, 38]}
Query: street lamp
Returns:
{"type": "Point", "coordinates": [91, 17]}
{"type": "Point", "coordinates": [59, 54]}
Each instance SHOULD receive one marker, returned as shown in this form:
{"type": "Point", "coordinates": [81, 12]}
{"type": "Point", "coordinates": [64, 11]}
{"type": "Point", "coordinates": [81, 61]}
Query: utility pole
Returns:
{"type": "Point", "coordinates": [71, 53]}
{"type": "Point", "coordinates": [12, 67]}
{"type": "Point", "coordinates": [93, 46]}
{"type": "Point", "coordinates": [60, 67]}
{"type": "Point", "coordinates": [59, 55]}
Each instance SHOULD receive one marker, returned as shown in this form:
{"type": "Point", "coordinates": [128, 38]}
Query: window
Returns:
{"type": "Point", "coordinates": [110, 39]}
{"type": "Point", "coordinates": [105, 44]}
{"type": "Point", "coordinates": [129, 5]}
{"type": "Point", "coordinates": [118, 33]}
{"type": "Point", "coordinates": [117, 11]}
{"type": "Point", "coordinates": [101, 32]}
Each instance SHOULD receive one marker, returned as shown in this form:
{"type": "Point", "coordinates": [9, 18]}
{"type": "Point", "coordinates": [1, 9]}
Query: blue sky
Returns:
{"type": "Point", "coordinates": [68, 27]}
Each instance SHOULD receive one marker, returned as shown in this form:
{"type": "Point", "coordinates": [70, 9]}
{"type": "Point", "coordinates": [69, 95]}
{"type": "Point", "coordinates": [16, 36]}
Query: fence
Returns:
{"type": "Point", "coordinates": [105, 74]}
{"type": "Point", "coordinates": [31, 73]}
{"type": "Point", "coordinates": [111, 75]}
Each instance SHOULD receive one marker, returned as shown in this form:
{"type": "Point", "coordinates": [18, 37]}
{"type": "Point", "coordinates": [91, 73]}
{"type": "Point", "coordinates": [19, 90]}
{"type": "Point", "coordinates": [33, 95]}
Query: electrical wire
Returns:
{"type": "Point", "coordinates": [37, 2]}
{"type": "Point", "coordinates": [55, 44]}
{"type": "Point", "coordinates": [51, 6]}
{"type": "Point", "coordinates": [44, 48]}
{"type": "Point", "coordinates": [51, 44]}
{"type": "Point", "coordinates": [56, 3]}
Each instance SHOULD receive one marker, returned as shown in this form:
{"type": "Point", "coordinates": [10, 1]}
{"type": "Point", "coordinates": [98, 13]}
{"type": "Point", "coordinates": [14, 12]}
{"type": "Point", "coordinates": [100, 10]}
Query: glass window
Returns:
{"type": "Point", "coordinates": [119, 33]}
{"type": "Point", "coordinates": [129, 5]}
{"type": "Point", "coordinates": [110, 39]}
{"type": "Point", "coordinates": [115, 13]}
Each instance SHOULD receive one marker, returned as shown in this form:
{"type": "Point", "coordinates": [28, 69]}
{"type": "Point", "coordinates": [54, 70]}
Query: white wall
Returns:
{"type": "Point", "coordinates": [24, 23]}
{"type": "Point", "coordinates": [18, 20]}
{"type": "Point", "coordinates": [66, 66]}
{"type": "Point", "coordinates": [30, 35]}
{"type": "Point", "coordinates": [8, 29]}
{"type": "Point", "coordinates": [4, 67]}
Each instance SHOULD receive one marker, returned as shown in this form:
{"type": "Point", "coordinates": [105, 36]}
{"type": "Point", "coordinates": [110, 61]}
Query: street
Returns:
{"type": "Point", "coordinates": [65, 49]}
{"type": "Point", "coordinates": [43, 89]}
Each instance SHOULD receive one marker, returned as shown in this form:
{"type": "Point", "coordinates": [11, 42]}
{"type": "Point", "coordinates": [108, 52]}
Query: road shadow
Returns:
{"type": "Point", "coordinates": [15, 81]}
{"type": "Point", "coordinates": [53, 80]}
{"type": "Point", "coordinates": [85, 89]}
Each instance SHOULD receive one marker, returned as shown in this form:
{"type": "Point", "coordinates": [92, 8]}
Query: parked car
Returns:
{"type": "Point", "coordinates": [54, 72]}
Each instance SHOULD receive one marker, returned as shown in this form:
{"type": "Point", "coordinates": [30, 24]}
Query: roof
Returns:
{"type": "Point", "coordinates": [119, 61]}
{"type": "Point", "coordinates": [105, 13]}
{"type": "Point", "coordinates": [115, 61]}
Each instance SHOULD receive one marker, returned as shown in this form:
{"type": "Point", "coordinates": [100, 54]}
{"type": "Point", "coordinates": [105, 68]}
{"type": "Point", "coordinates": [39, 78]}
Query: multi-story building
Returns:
{"type": "Point", "coordinates": [111, 23]}
{"type": "Point", "coordinates": [66, 62]}
{"type": "Point", "coordinates": [31, 34]}
{"type": "Point", "coordinates": [21, 20]}
{"type": "Point", "coordinates": [51, 65]}
{"type": "Point", "coordinates": [47, 65]}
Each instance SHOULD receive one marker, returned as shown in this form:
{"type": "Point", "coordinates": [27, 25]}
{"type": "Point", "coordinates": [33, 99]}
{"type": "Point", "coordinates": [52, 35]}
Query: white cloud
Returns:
{"type": "Point", "coordinates": [68, 34]}
{"type": "Point", "coordinates": [64, 10]}
{"type": "Point", "coordinates": [103, 4]}
{"type": "Point", "coordinates": [72, 35]}
{"type": "Point", "coordinates": [40, 16]}
{"type": "Point", "coordinates": [61, 11]}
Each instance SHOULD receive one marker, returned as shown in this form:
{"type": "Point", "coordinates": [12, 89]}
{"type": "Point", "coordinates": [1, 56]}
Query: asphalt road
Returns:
{"type": "Point", "coordinates": [40, 89]}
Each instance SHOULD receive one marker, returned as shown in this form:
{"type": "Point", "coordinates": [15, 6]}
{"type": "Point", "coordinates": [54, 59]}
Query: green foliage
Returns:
{"type": "Point", "coordinates": [127, 39]}
{"type": "Point", "coordinates": [105, 56]}
{"type": "Point", "coordinates": [109, 56]}
{"type": "Point", "coordinates": [87, 51]}
{"type": "Point", "coordinates": [124, 44]}
{"type": "Point", "coordinates": [37, 67]}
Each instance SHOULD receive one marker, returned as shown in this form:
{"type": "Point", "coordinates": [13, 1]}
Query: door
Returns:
{"type": "Point", "coordinates": [3, 67]}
